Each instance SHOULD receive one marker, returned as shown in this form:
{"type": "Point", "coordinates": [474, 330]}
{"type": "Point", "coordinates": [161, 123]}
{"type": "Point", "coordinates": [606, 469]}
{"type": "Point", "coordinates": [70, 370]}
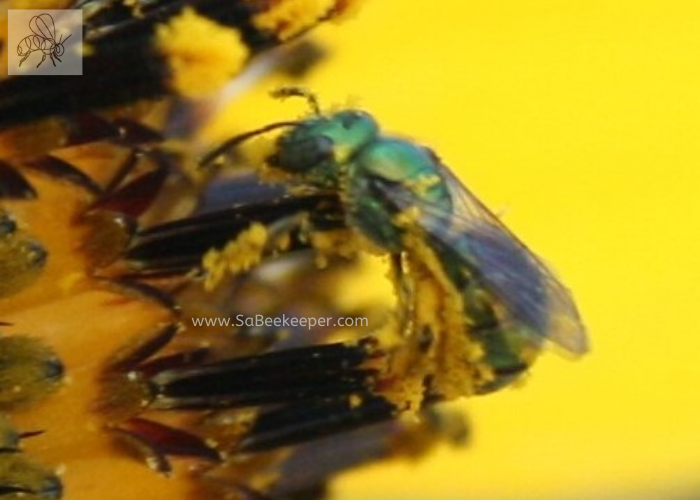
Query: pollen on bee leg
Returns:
{"type": "Point", "coordinates": [237, 256]}
{"type": "Point", "coordinates": [339, 243]}
{"type": "Point", "coordinates": [202, 55]}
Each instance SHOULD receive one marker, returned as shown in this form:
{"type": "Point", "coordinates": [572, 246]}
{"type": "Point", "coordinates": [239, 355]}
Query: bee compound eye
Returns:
{"type": "Point", "coordinates": [349, 119]}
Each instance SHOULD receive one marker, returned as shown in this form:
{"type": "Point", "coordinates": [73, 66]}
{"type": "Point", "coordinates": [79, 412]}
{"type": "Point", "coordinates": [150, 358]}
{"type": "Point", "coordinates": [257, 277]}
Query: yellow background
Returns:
{"type": "Point", "coordinates": [580, 122]}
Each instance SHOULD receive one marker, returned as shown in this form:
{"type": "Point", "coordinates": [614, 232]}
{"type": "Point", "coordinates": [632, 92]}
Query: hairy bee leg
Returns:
{"type": "Point", "coordinates": [276, 377]}
{"type": "Point", "coordinates": [405, 292]}
{"type": "Point", "coordinates": [310, 420]}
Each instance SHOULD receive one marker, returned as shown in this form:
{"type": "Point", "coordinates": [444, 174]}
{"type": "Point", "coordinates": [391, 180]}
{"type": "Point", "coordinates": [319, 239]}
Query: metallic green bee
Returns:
{"type": "Point", "coordinates": [511, 301]}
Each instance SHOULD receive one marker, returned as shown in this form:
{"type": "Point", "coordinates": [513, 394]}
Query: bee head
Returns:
{"type": "Point", "coordinates": [318, 146]}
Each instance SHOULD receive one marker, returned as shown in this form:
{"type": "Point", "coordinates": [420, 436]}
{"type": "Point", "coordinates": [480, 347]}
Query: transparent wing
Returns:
{"type": "Point", "coordinates": [43, 26]}
{"type": "Point", "coordinates": [527, 289]}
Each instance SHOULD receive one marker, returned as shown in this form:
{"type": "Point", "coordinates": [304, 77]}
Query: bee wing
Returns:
{"type": "Point", "coordinates": [517, 278]}
{"type": "Point", "coordinates": [43, 26]}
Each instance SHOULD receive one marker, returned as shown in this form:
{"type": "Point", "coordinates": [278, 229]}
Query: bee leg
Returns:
{"type": "Point", "coordinates": [24, 58]}
{"type": "Point", "coordinates": [405, 293]}
{"type": "Point", "coordinates": [52, 61]}
{"type": "Point", "coordinates": [43, 58]}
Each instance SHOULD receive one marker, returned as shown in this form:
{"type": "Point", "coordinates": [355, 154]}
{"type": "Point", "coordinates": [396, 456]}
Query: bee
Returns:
{"type": "Point", "coordinates": [43, 39]}
{"type": "Point", "coordinates": [497, 301]}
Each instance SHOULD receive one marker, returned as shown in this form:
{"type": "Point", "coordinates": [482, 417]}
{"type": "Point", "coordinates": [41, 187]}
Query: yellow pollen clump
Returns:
{"type": "Point", "coordinates": [408, 218]}
{"type": "Point", "coordinates": [421, 185]}
{"type": "Point", "coordinates": [288, 18]}
{"type": "Point", "coordinates": [455, 359]}
{"type": "Point", "coordinates": [344, 243]}
{"type": "Point", "coordinates": [238, 255]}
{"type": "Point", "coordinates": [202, 54]}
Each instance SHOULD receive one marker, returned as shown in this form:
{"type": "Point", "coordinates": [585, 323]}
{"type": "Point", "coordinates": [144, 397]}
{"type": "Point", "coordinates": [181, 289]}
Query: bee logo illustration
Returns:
{"type": "Point", "coordinates": [43, 39]}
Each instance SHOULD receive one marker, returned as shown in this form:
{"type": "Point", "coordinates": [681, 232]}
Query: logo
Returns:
{"type": "Point", "coordinates": [44, 42]}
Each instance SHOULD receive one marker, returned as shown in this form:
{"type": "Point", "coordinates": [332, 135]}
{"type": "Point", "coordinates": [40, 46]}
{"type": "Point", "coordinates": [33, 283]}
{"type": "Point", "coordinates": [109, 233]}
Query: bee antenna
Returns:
{"type": "Point", "coordinates": [285, 92]}
{"type": "Point", "coordinates": [234, 141]}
